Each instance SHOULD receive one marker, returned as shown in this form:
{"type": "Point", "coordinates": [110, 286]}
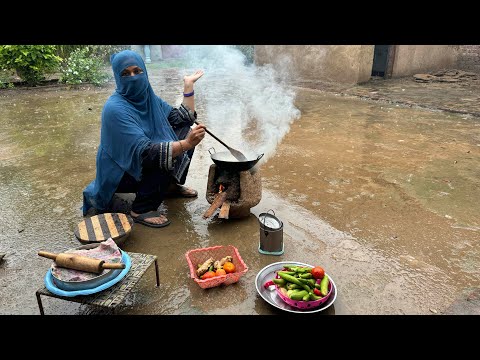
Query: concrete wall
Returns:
{"type": "Point", "coordinates": [160, 52]}
{"type": "Point", "coordinates": [414, 59]}
{"type": "Point", "coordinates": [155, 51]}
{"type": "Point", "coordinates": [347, 64]}
{"type": "Point", "coordinates": [352, 64]}
{"type": "Point", "coordinates": [469, 58]}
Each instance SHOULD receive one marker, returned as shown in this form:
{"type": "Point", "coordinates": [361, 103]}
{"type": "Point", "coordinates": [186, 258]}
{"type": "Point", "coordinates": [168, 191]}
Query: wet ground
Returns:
{"type": "Point", "coordinates": [461, 96]}
{"type": "Point", "coordinates": [383, 196]}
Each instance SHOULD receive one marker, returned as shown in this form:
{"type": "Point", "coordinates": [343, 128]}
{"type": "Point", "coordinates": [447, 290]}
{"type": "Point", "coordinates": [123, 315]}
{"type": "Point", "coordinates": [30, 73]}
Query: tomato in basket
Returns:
{"type": "Point", "coordinates": [220, 272]}
{"type": "Point", "coordinates": [196, 256]}
{"type": "Point", "coordinates": [208, 275]}
{"type": "Point", "coordinates": [229, 267]}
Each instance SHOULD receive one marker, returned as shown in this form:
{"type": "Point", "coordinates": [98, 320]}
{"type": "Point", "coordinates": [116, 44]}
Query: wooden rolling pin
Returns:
{"type": "Point", "coordinates": [79, 262]}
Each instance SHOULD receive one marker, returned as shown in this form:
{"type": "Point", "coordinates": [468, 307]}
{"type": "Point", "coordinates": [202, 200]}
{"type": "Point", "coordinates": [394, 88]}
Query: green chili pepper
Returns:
{"type": "Point", "coordinates": [293, 291]}
{"type": "Point", "coordinates": [298, 295]}
{"type": "Point", "coordinates": [286, 272]}
{"type": "Point", "coordinates": [306, 276]}
{"type": "Point", "coordinates": [291, 286]}
{"type": "Point", "coordinates": [309, 282]}
{"type": "Point", "coordinates": [324, 285]}
{"type": "Point", "coordinates": [280, 282]}
{"type": "Point", "coordinates": [305, 270]}
{"type": "Point", "coordinates": [293, 279]}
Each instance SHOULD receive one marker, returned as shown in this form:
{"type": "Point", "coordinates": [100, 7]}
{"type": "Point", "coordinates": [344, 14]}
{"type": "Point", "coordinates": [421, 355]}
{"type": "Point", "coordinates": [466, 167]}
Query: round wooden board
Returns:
{"type": "Point", "coordinates": [100, 227]}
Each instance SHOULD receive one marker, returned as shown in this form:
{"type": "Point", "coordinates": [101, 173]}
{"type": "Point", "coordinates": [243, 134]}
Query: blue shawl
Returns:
{"type": "Point", "coordinates": [132, 117]}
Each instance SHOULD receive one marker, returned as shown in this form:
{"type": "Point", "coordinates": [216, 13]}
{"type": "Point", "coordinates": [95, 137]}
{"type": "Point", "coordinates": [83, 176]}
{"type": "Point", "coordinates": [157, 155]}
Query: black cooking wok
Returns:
{"type": "Point", "coordinates": [227, 161]}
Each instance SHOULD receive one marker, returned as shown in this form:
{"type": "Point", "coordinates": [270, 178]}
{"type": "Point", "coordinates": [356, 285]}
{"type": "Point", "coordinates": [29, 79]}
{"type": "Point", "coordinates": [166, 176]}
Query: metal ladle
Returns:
{"type": "Point", "coordinates": [236, 153]}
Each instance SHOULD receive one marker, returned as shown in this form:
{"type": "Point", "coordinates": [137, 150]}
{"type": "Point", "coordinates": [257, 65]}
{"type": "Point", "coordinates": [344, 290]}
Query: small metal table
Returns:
{"type": "Point", "coordinates": [109, 299]}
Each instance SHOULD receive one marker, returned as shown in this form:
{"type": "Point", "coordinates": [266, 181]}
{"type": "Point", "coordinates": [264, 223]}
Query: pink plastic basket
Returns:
{"type": "Point", "coordinates": [199, 256]}
{"type": "Point", "coordinates": [302, 304]}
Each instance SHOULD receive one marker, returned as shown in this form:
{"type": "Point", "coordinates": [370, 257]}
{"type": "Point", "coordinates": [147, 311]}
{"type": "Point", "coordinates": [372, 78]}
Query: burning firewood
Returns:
{"type": "Point", "coordinates": [224, 210]}
{"type": "Point", "coordinates": [217, 202]}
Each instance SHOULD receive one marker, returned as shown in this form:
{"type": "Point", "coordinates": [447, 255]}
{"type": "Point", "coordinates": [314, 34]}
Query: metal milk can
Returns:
{"type": "Point", "coordinates": [271, 234]}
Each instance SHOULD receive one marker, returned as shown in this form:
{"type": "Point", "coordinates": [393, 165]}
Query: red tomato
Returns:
{"type": "Point", "coordinates": [318, 272]}
{"type": "Point", "coordinates": [208, 275]}
{"type": "Point", "coordinates": [220, 272]}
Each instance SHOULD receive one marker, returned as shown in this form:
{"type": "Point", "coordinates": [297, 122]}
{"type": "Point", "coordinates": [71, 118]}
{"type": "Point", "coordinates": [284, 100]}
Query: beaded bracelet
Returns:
{"type": "Point", "coordinates": [189, 94]}
{"type": "Point", "coordinates": [180, 142]}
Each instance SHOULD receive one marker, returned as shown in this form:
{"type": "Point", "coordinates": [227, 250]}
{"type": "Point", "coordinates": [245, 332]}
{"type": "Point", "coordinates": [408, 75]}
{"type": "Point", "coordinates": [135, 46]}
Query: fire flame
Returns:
{"type": "Point", "coordinates": [221, 188]}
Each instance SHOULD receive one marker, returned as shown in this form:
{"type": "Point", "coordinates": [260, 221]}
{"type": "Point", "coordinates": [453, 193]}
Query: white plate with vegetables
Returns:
{"type": "Point", "coordinates": [270, 295]}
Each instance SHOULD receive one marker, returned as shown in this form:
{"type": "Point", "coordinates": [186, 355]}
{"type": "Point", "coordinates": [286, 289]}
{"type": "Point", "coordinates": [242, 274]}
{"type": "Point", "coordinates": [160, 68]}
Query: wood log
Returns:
{"type": "Point", "coordinates": [216, 203]}
{"type": "Point", "coordinates": [224, 210]}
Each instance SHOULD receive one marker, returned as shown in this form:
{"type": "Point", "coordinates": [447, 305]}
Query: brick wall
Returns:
{"type": "Point", "coordinates": [469, 58]}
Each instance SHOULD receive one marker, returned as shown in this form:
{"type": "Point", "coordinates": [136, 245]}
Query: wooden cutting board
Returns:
{"type": "Point", "coordinates": [100, 227]}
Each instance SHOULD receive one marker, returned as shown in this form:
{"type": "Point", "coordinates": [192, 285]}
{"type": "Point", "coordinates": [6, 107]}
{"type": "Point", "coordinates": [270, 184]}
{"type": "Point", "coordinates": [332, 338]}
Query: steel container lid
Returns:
{"type": "Point", "coordinates": [269, 221]}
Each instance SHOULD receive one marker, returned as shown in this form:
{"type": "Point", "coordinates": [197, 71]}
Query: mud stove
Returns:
{"type": "Point", "coordinates": [234, 192]}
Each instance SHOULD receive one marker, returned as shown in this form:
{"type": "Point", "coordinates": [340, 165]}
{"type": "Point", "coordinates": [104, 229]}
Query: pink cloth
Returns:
{"type": "Point", "coordinates": [107, 250]}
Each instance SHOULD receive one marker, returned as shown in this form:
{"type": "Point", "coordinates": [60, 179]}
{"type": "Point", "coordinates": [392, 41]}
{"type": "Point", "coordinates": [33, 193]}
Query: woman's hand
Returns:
{"type": "Point", "coordinates": [195, 136]}
{"type": "Point", "coordinates": [190, 79]}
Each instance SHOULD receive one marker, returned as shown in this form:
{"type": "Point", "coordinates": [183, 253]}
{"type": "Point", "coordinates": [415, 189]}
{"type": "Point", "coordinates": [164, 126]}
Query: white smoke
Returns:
{"type": "Point", "coordinates": [249, 107]}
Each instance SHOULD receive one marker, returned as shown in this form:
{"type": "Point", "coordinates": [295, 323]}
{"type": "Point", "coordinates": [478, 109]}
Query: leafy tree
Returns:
{"type": "Point", "coordinates": [64, 51]}
{"type": "Point", "coordinates": [103, 51]}
{"type": "Point", "coordinates": [31, 62]}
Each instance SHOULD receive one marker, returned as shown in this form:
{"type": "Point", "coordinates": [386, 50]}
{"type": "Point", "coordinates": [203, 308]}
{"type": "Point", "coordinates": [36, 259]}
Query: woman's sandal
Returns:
{"type": "Point", "coordinates": [183, 191]}
{"type": "Point", "coordinates": [141, 219]}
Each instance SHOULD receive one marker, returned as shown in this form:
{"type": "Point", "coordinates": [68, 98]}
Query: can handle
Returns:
{"type": "Point", "coordinates": [264, 226]}
{"type": "Point", "coordinates": [267, 213]}
{"type": "Point", "coordinates": [214, 151]}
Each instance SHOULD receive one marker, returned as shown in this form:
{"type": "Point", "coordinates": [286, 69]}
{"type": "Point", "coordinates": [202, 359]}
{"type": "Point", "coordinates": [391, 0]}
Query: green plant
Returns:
{"type": "Point", "coordinates": [105, 51]}
{"type": "Point", "coordinates": [5, 79]}
{"type": "Point", "coordinates": [83, 66]}
{"type": "Point", "coordinates": [64, 51]}
{"type": "Point", "coordinates": [31, 62]}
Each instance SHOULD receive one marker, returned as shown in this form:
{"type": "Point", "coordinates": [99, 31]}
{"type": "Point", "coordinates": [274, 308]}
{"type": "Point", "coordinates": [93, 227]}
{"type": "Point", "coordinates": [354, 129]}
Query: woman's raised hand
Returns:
{"type": "Point", "coordinates": [190, 79]}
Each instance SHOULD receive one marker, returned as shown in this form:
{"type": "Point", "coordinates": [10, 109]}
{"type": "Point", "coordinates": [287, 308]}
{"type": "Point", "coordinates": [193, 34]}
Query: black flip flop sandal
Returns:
{"type": "Point", "coordinates": [179, 191]}
{"type": "Point", "coordinates": [141, 219]}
